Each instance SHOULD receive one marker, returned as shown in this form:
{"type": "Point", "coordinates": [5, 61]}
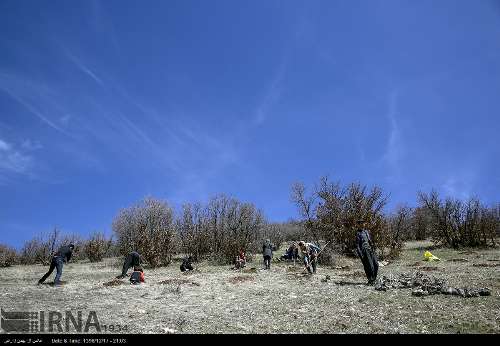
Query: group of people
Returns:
{"type": "Point", "coordinates": [309, 253]}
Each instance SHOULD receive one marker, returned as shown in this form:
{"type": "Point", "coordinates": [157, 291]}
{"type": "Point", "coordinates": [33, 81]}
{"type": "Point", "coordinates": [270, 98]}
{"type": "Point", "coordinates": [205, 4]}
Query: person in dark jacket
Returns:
{"type": "Point", "coordinates": [364, 249]}
{"type": "Point", "coordinates": [292, 253]}
{"type": "Point", "coordinates": [63, 255]}
{"type": "Point", "coordinates": [187, 264]}
{"type": "Point", "coordinates": [133, 259]}
{"type": "Point", "coordinates": [267, 252]}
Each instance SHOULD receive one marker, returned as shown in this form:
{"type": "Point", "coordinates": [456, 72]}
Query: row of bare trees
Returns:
{"type": "Point", "coordinates": [40, 249]}
{"type": "Point", "coordinates": [457, 223]}
{"type": "Point", "coordinates": [219, 229]}
{"type": "Point", "coordinates": [329, 213]}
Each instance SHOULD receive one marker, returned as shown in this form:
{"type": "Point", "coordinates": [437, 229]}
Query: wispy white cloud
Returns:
{"type": "Point", "coordinates": [30, 145]}
{"type": "Point", "coordinates": [394, 148]}
{"type": "Point", "coordinates": [456, 187]}
{"type": "Point", "coordinates": [84, 68]}
{"type": "Point", "coordinates": [13, 161]}
{"type": "Point", "coordinates": [4, 146]}
{"type": "Point", "coordinates": [22, 90]}
{"type": "Point", "coordinates": [272, 94]}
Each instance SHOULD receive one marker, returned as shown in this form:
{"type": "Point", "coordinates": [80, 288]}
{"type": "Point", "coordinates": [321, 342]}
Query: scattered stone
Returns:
{"type": "Point", "coordinates": [326, 278]}
{"type": "Point", "coordinates": [424, 285]}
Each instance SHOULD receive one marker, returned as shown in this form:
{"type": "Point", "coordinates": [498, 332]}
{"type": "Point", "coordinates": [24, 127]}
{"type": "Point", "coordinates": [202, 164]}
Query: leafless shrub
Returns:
{"type": "Point", "coordinates": [274, 232]}
{"type": "Point", "coordinates": [420, 223]}
{"type": "Point", "coordinates": [331, 211]}
{"type": "Point", "coordinates": [220, 229]}
{"type": "Point", "coordinates": [399, 229]}
{"type": "Point", "coordinates": [193, 231]}
{"type": "Point", "coordinates": [40, 249]}
{"type": "Point", "coordinates": [457, 223]}
{"type": "Point", "coordinates": [8, 256]}
{"type": "Point", "coordinates": [147, 228]}
{"type": "Point", "coordinates": [71, 238]}
{"type": "Point", "coordinates": [96, 248]}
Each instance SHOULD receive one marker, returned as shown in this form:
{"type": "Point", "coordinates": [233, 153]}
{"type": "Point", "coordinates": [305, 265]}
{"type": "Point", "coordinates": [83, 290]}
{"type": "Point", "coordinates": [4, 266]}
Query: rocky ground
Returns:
{"type": "Point", "coordinates": [216, 299]}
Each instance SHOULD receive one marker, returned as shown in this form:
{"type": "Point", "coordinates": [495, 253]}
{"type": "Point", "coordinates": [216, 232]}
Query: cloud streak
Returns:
{"type": "Point", "coordinates": [16, 88]}
{"type": "Point", "coordinates": [271, 96]}
{"type": "Point", "coordinates": [12, 161]}
{"type": "Point", "coordinates": [84, 68]}
{"type": "Point", "coordinates": [393, 151]}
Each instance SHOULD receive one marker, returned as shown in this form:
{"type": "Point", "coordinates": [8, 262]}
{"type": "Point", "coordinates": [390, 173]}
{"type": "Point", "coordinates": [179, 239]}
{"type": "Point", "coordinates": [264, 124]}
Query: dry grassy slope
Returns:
{"type": "Point", "coordinates": [219, 300]}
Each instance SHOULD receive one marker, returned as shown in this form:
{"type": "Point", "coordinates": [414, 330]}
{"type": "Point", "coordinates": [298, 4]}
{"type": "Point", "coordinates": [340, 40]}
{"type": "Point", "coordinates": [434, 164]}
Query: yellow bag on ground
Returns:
{"type": "Point", "coordinates": [430, 257]}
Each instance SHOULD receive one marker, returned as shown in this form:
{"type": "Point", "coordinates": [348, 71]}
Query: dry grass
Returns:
{"type": "Point", "coordinates": [267, 301]}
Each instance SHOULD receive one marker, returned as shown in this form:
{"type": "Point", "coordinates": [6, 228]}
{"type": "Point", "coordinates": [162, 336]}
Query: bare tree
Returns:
{"type": "Point", "coordinates": [330, 213]}
{"type": "Point", "coordinates": [146, 227]}
{"type": "Point", "coordinates": [97, 246]}
{"type": "Point", "coordinates": [457, 223]}
{"type": "Point", "coordinates": [8, 256]}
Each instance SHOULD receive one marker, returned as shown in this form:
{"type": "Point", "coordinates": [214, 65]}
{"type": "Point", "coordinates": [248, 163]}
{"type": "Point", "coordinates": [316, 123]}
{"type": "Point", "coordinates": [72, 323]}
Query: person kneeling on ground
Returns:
{"type": "Point", "coordinates": [364, 249]}
{"type": "Point", "coordinates": [137, 276]}
{"type": "Point", "coordinates": [310, 254]}
{"type": "Point", "coordinates": [186, 264]}
{"type": "Point", "coordinates": [133, 259]}
{"type": "Point", "coordinates": [241, 260]}
{"type": "Point", "coordinates": [60, 257]}
{"type": "Point", "coordinates": [292, 253]}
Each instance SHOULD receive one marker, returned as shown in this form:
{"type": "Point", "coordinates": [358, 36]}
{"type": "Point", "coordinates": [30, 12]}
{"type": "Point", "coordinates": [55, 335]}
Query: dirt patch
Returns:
{"type": "Point", "coordinates": [250, 271]}
{"type": "Point", "coordinates": [240, 279]}
{"type": "Point", "coordinates": [458, 260]}
{"type": "Point", "coordinates": [429, 269]}
{"type": "Point", "coordinates": [416, 264]}
{"type": "Point", "coordinates": [469, 252]}
{"type": "Point", "coordinates": [342, 267]}
{"type": "Point", "coordinates": [486, 265]}
{"type": "Point", "coordinates": [294, 269]}
{"type": "Point", "coordinates": [356, 274]}
{"type": "Point", "coordinates": [179, 282]}
{"type": "Point", "coordinates": [114, 282]}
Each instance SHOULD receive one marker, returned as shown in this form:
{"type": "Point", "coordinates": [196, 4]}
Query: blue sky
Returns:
{"type": "Point", "coordinates": [105, 102]}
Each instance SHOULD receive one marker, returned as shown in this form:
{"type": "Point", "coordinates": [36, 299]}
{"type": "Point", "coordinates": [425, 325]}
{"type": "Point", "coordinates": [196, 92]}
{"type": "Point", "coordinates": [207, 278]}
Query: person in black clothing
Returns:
{"type": "Point", "coordinates": [62, 255]}
{"type": "Point", "coordinates": [133, 259]}
{"type": "Point", "coordinates": [186, 264]}
{"type": "Point", "coordinates": [364, 249]}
